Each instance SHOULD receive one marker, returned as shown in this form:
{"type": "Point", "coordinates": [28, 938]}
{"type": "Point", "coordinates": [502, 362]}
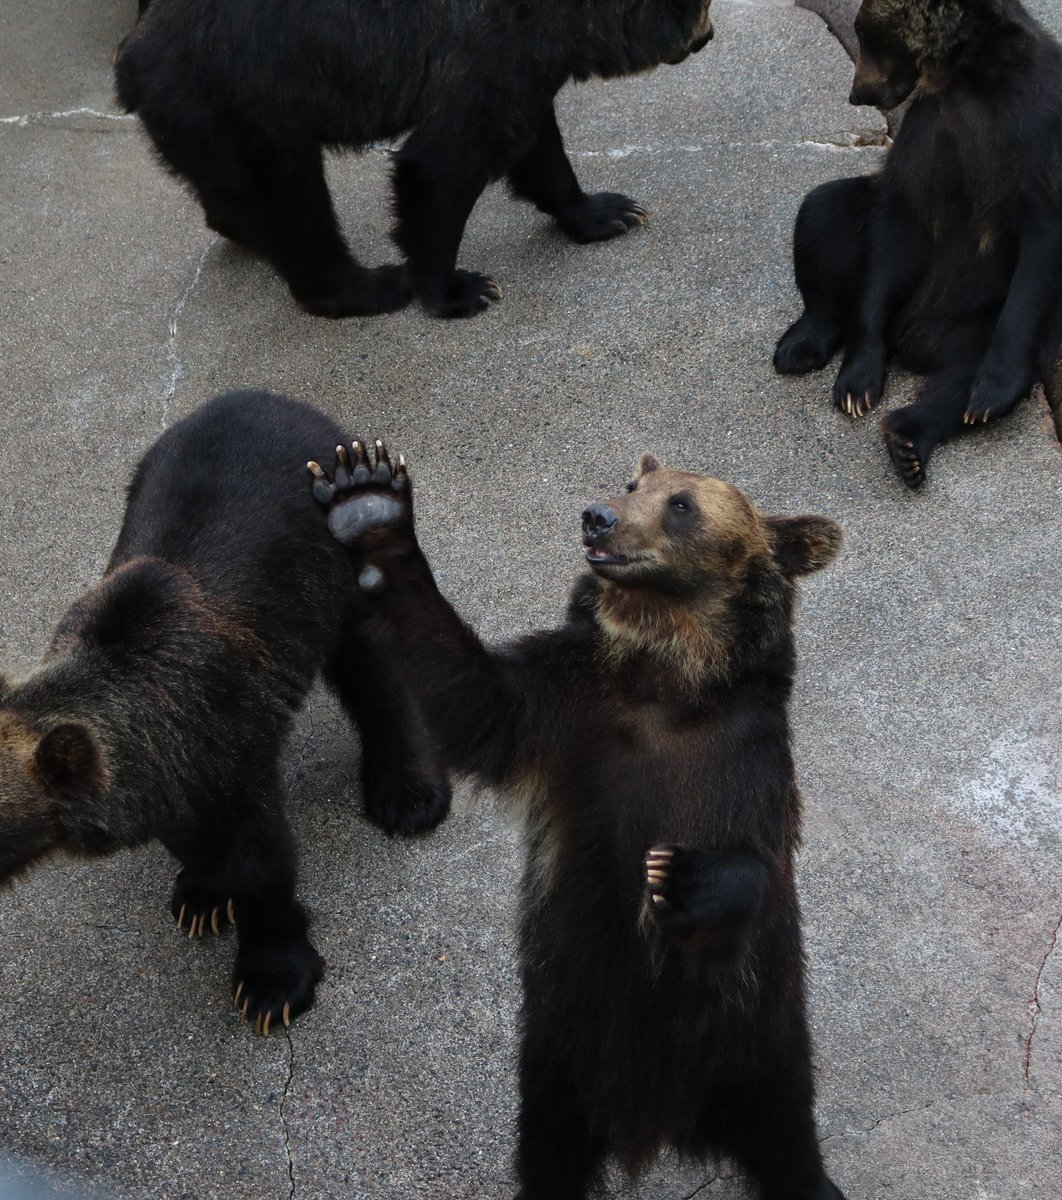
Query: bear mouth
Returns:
{"type": "Point", "coordinates": [597, 556]}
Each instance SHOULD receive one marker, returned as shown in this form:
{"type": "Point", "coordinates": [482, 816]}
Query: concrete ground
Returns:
{"type": "Point", "coordinates": [926, 719]}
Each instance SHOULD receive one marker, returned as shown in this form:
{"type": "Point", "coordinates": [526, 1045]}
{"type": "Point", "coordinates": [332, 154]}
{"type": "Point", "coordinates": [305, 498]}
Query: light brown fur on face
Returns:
{"type": "Point", "coordinates": [682, 550]}
{"type": "Point", "coordinates": [29, 824]}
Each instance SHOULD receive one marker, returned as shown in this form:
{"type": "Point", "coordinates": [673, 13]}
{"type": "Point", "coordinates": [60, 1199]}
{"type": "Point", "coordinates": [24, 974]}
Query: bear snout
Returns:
{"type": "Point", "coordinates": [598, 521]}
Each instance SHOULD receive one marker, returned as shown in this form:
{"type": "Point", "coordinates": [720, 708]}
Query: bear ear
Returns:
{"type": "Point", "coordinates": [803, 544]}
{"type": "Point", "coordinates": [68, 758]}
{"type": "Point", "coordinates": [648, 462]}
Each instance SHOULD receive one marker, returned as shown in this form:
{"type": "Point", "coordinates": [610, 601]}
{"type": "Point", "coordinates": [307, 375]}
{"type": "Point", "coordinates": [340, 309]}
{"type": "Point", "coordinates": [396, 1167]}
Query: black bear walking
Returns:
{"type": "Point", "coordinates": [648, 736]}
{"type": "Point", "coordinates": [241, 97]}
{"type": "Point", "coordinates": [950, 259]}
{"type": "Point", "coordinates": [170, 686]}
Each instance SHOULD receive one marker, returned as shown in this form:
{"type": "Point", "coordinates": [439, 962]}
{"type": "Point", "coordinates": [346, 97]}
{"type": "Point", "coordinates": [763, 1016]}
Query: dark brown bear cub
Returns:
{"type": "Point", "coordinates": [949, 260]}
{"type": "Point", "coordinates": [170, 687]}
{"type": "Point", "coordinates": [660, 940]}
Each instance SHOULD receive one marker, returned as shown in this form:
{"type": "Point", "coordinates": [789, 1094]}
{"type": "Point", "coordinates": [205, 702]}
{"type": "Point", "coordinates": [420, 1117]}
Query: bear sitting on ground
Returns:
{"type": "Point", "coordinates": [950, 259]}
{"type": "Point", "coordinates": [660, 941]}
{"type": "Point", "coordinates": [241, 97]}
{"type": "Point", "coordinates": [170, 687]}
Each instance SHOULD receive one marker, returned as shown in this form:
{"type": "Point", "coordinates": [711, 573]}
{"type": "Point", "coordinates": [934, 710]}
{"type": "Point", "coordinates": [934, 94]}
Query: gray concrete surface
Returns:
{"type": "Point", "coordinates": [926, 721]}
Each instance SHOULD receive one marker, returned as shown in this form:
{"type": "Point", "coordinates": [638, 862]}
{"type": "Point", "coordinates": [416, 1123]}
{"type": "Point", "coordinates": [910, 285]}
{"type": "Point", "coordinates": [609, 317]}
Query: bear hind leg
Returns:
{"type": "Point", "coordinates": [829, 249]}
{"type": "Point", "coordinates": [544, 175]}
{"type": "Point", "coordinates": [274, 201]}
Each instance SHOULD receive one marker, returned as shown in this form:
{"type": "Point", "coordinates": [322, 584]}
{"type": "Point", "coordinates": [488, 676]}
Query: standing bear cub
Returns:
{"type": "Point", "coordinates": [170, 686]}
{"type": "Point", "coordinates": [660, 935]}
{"type": "Point", "coordinates": [241, 97]}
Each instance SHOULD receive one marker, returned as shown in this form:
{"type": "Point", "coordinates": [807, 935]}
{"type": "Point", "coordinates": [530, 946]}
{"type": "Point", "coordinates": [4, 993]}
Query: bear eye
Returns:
{"type": "Point", "coordinates": [680, 503]}
{"type": "Point", "coordinates": [632, 486]}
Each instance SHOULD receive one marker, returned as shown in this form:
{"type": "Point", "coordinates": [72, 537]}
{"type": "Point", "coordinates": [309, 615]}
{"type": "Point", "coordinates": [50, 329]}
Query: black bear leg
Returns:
{"type": "Point", "coordinates": [545, 177]}
{"type": "Point", "coordinates": [437, 181]}
{"type": "Point", "coordinates": [770, 1134]}
{"type": "Point", "coordinates": [559, 1156]}
{"type": "Point", "coordinates": [829, 249]}
{"type": "Point", "coordinates": [276, 203]}
{"type": "Point", "coordinates": [405, 788]}
{"type": "Point", "coordinates": [912, 433]}
{"type": "Point", "coordinates": [246, 874]}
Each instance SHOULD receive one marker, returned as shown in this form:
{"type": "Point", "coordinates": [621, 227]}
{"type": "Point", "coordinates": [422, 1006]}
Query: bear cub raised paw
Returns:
{"type": "Point", "coordinates": [169, 688]}
{"type": "Point", "coordinates": [660, 941]}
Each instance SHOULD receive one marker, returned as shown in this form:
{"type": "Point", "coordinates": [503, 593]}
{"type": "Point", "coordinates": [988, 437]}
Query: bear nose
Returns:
{"type": "Point", "coordinates": [598, 520]}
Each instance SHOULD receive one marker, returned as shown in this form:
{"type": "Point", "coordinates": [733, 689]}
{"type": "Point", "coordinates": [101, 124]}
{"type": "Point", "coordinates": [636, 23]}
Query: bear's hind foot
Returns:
{"type": "Point", "coordinates": [274, 983]}
{"type": "Point", "coordinates": [906, 448]}
{"type": "Point", "coordinates": [807, 345]}
{"type": "Point", "coordinates": [201, 907]}
{"type": "Point", "coordinates": [363, 292]}
{"type": "Point", "coordinates": [602, 216]}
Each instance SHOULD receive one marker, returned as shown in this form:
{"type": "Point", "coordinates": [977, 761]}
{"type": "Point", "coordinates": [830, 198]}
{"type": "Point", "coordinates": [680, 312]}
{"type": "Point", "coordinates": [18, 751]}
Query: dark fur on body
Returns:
{"type": "Point", "coordinates": [171, 685]}
{"type": "Point", "coordinates": [648, 738]}
{"type": "Point", "coordinates": [241, 96]}
{"type": "Point", "coordinates": [950, 259]}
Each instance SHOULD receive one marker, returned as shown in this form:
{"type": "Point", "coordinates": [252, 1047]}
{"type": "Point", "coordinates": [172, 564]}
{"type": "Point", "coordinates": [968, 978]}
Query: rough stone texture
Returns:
{"type": "Point", "coordinates": [926, 720]}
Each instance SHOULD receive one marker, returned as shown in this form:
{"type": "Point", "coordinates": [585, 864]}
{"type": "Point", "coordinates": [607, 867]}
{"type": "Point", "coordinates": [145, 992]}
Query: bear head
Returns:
{"type": "Point", "coordinates": [687, 565]}
{"type": "Point", "coordinates": [42, 773]}
{"type": "Point", "coordinates": [907, 43]}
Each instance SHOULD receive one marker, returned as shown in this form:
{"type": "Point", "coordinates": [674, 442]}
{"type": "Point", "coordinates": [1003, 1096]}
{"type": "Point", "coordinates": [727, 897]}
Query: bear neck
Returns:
{"type": "Point", "coordinates": [705, 639]}
{"type": "Point", "coordinates": [690, 637]}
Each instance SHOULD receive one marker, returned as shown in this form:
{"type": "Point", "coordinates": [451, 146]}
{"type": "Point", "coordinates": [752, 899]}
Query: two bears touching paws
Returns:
{"type": "Point", "coordinates": [660, 865]}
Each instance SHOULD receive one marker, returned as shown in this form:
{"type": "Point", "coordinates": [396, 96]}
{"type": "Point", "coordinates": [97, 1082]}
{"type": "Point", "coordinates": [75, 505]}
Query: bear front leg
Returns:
{"type": "Point", "coordinates": [544, 175]}
{"type": "Point", "coordinates": [245, 875]}
{"type": "Point", "coordinates": [703, 899]}
{"type": "Point", "coordinates": [438, 177]}
{"type": "Point", "coordinates": [476, 703]}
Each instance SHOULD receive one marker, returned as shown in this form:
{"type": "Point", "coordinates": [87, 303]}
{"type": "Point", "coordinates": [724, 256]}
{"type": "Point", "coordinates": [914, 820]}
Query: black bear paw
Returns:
{"type": "Point", "coordinates": [464, 294]}
{"type": "Point", "coordinates": [670, 875]}
{"type": "Point", "coordinates": [362, 293]}
{"type": "Point", "coordinates": [604, 215]}
{"type": "Point", "coordinates": [275, 983]}
{"type": "Point", "coordinates": [364, 497]}
{"type": "Point", "coordinates": [996, 390]}
{"type": "Point", "coordinates": [860, 385]}
{"type": "Point", "coordinates": [807, 345]}
{"type": "Point", "coordinates": [405, 803]}
{"type": "Point", "coordinates": [904, 443]}
{"type": "Point", "coordinates": [196, 908]}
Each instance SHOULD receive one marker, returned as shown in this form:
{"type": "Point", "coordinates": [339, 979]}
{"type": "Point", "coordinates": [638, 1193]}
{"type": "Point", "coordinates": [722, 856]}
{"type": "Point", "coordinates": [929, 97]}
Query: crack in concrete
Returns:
{"type": "Point", "coordinates": [284, 1117]}
{"type": "Point", "coordinates": [172, 354]}
{"type": "Point", "coordinates": [299, 765]}
{"type": "Point", "coordinates": [903, 1112]}
{"type": "Point", "coordinates": [703, 1188]}
{"type": "Point", "coordinates": [23, 120]}
{"type": "Point", "coordinates": [1035, 1007]}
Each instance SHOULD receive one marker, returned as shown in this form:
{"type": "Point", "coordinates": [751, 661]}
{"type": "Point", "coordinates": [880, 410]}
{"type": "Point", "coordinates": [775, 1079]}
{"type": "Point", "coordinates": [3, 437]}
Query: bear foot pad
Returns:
{"type": "Point", "coordinates": [603, 216]}
{"type": "Point", "coordinates": [465, 294]}
{"type": "Point", "coordinates": [197, 908]}
{"type": "Point", "coordinates": [362, 497]}
{"type": "Point", "coordinates": [907, 457]}
{"type": "Point", "coordinates": [405, 804]}
{"type": "Point", "coordinates": [366, 293]}
{"type": "Point", "coordinates": [807, 345]}
{"type": "Point", "coordinates": [274, 983]}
